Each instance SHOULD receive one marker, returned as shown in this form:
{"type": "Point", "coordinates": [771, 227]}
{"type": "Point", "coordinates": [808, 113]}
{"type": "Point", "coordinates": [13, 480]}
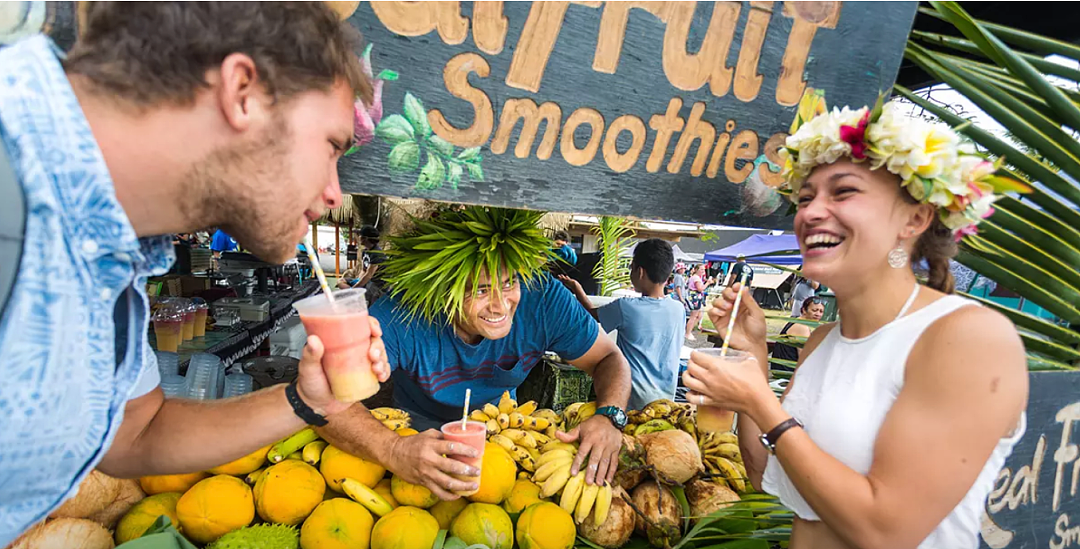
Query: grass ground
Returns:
{"type": "Point", "coordinates": [774, 324]}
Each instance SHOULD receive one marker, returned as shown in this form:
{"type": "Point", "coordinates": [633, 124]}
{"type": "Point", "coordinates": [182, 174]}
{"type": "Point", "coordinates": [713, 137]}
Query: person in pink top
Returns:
{"type": "Point", "coordinates": [696, 299]}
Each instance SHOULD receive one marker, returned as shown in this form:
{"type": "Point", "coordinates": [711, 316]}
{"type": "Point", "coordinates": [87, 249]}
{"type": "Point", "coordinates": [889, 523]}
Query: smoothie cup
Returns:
{"type": "Point", "coordinates": [168, 329]}
{"type": "Point", "coordinates": [188, 310]}
{"type": "Point", "coordinates": [201, 309]}
{"type": "Point", "coordinates": [712, 418]}
{"type": "Point", "coordinates": [474, 434]}
{"type": "Point", "coordinates": [346, 336]}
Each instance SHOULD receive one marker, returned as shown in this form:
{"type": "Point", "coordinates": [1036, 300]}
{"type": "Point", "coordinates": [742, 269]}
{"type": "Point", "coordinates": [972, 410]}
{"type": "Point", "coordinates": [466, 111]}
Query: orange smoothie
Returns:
{"type": "Point", "coordinates": [169, 332]}
{"type": "Point", "coordinates": [346, 336]}
{"type": "Point", "coordinates": [714, 419]}
{"type": "Point", "coordinates": [474, 434]}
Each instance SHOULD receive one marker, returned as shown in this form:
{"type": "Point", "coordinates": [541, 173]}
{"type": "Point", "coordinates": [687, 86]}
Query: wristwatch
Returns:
{"type": "Point", "coordinates": [768, 440]}
{"type": "Point", "coordinates": [615, 414]}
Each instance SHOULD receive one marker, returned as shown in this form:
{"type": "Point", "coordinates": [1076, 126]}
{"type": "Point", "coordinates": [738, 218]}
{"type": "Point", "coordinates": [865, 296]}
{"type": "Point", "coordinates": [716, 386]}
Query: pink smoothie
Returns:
{"type": "Point", "coordinates": [346, 338]}
{"type": "Point", "coordinates": [474, 434]}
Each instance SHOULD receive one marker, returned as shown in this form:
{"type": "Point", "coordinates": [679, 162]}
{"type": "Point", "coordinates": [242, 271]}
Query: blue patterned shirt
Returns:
{"type": "Point", "coordinates": [73, 339]}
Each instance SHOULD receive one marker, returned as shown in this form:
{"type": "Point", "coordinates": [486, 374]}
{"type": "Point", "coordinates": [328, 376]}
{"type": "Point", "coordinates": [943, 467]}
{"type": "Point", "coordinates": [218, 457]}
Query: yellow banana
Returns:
{"type": "Point", "coordinates": [503, 441]}
{"type": "Point", "coordinates": [585, 504]}
{"type": "Point", "coordinates": [603, 505]}
{"type": "Point", "coordinates": [555, 455]}
{"type": "Point", "coordinates": [742, 469]}
{"type": "Point", "coordinates": [366, 496]}
{"type": "Point", "coordinates": [491, 410]}
{"type": "Point", "coordinates": [297, 455]}
{"type": "Point", "coordinates": [518, 452]}
{"type": "Point", "coordinates": [479, 415]}
{"type": "Point", "coordinates": [504, 421]}
{"type": "Point", "coordinates": [313, 451]}
{"type": "Point", "coordinates": [658, 409]}
{"type": "Point", "coordinates": [523, 438]}
{"type": "Point", "coordinates": [534, 453]}
{"type": "Point", "coordinates": [380, 414]}
{"type": "Point", "coordinates": [731, 473]}
{"type": "Point", "coordinates": [572, 492]}
{"type": "Point", "coordinates": [555, 482]}
{"type": "Point", "coordinates": [395, 424]}
{"type": "Point", "coordinates": [524, 475]}
{"type": "Point", "coordinates": [536, 423]}
{"type": "Point", "coordinates": [730, 451]}
{"type": "Point", "coordinates": [253, 476]}
{"type": "Point", "coordinates": [555, 444]}
{"type": "Point", "coordinates": [389, 413]}
{"type": "Point", "coordinates": [528, 463]}
{"type": "Point", "coordinates": [636, 417]}
{"type": "Point", "coordinates": [728, 438]}
{"type": "Point", "coordinates": [550, 431]}
{"type": "Point", "coordinates": [548, 414]}
{"type": "Point", "coordinates": [541, 438]}
{"type": "Point", "coordinates": [281, 449]}
{"type": "Point", "coordinates": [585, 412]}
{"type": "Point", "coordinates": [506, 404]}
{"type": "Point", "coordinates": [493, 427]}
{"type": "Point", "coordinates": [526, 409]}
{"type": "Point", "coordinates": [570, 413]}
{"type": "Point", "coordinates": [517, 421]}
{"type": "Point", "coordinates": [546, 469]}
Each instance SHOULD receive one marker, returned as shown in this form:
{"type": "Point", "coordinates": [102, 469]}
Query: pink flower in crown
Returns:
{"type": "Point", "coordinates": [856, 137]}
{"type": "Point", "coordinates": [968, 230]}
{"type": "Point", "coordinates": [367, 117]}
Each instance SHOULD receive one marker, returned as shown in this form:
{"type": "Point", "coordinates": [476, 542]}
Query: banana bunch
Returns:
{"type": "Point", "coordinates": [723, 460]}
{"type": "Point", "coordinates": [392, 418]}
{"type": "Point", "coordinates": [577, 498]}
{"type": "Point", "coordinates": [509, 415]}
{"type": "Point", "coordinates": [577, 413]}
{"type": "Point", "coordinates": [522, 445]}
{"type": "Point", "coordinates": [661, 415]}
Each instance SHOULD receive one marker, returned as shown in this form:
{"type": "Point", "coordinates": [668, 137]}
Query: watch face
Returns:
{"type": "Point", "coordinates": [616, 415]}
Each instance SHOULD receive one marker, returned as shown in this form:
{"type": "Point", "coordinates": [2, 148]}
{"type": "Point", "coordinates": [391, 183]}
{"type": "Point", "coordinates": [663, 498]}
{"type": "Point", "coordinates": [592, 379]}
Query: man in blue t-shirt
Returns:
{"type": "Point", "coordinates": [563, 249]}
{"type": "Point", "coordinates": [650, 327]}
{"type": "Point", "coordinates": [502, 336]}
{"type": "Point", "coordinates": [222, 242]}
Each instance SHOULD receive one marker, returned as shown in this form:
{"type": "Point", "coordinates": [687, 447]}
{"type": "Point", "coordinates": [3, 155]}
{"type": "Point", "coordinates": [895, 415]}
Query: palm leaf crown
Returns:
{"type": "Point", "coordinates": [430, 267]}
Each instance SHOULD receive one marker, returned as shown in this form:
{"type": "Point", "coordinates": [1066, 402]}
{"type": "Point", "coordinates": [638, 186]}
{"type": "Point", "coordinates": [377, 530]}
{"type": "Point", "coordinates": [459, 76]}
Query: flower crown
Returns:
{"type": "Point", "coordinates": [933, 163]}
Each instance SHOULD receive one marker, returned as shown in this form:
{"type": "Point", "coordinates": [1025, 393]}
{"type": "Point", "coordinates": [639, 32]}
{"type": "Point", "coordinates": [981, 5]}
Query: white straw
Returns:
{"type": "Point", "coordinates": [318, 268]}
{"type": "Point", "coordinates": [465, 412]}
{"type": "Point", "coordinates": [734, 312]}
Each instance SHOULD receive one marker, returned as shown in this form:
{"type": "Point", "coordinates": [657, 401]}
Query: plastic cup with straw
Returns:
{"type": "Point", "coordinates": [712, 418]}
{"type": "Point", "coordinates": [341, 321]}
{"type": "Point", "coordinates": [469, 433]}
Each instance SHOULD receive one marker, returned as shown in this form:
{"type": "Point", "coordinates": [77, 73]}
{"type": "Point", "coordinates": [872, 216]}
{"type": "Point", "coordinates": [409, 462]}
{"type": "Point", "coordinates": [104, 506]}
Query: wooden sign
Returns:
{"type": "Point", "coordinates": [1035, 503]}
{"type": "Point", "coordinates": [661, 110]}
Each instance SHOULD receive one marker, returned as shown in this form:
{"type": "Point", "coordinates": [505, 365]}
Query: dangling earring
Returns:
{"type": "Point", "coordinates": [898, 257]}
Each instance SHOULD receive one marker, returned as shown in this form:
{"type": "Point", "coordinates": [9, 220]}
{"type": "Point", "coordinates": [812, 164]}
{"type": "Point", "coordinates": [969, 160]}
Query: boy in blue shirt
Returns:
{"type": "Point", "coordinates": [650, 327]}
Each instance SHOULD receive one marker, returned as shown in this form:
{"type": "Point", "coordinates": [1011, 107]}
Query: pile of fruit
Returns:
{"type": "Point", "coordinates": [305, 493]}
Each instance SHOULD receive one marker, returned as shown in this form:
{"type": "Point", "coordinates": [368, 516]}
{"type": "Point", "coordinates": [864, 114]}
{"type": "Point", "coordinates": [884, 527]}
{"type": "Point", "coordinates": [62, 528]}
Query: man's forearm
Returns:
{"type": "Point", "coordinates": [611, 378]}
{"type": "Point", "coordinates": [357, 432]}
{"type": "Point", "coordinates": [190, 435]}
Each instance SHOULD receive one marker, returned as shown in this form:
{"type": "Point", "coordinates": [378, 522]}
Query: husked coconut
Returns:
{"type": "Point", "coordinates": [66, 533]}
{"type": "Point", "coordinates": [617, 529]}
{"type": "Point", "coordinates": [130, 494]}
{"type": "Point", "coordinates": [628, 479]}
{"type": "Point", "coordinates": [658, 517]}
{"type": "Point", "coordinates": [96, 492]}
{"type": "Point", "coordinates": [673, 454]}
{"type": "Point", "coordinates": [706, 497]}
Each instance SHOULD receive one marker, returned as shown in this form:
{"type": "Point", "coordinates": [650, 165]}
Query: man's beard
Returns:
{"type": "Point", "coordinates": [246, 191]}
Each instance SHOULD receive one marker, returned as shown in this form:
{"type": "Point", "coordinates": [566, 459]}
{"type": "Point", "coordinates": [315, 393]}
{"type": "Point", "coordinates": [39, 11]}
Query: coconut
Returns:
{"type": "Point", "coordinates": [96, 492]}
{"type": "Point", "coordinates": [130, 494]}
{"type": "Point", "coordinates": [628, 479]}
{"type": "Point", "coordinates": [658, 514]}
{"type": "Point", "coordinates": [66, 533]}
{"type": "Point", "coordinates": [707, 497]}
{"type": "Point", "coordinates": [617, 529]}
{"type": "Point", "coordinates": [673, 454]}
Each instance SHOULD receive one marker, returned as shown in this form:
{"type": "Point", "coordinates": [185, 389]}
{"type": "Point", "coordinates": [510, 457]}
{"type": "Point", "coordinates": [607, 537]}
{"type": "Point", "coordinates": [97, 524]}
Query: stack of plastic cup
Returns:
{"type": "Point", "coordinates": [204, 377]}
{"type": "Point", "coordinates": [173, 386]}
{"type": "Point", "coordinates": [168, 363]}
{"type": "Point", "coordinates": [237, 384]}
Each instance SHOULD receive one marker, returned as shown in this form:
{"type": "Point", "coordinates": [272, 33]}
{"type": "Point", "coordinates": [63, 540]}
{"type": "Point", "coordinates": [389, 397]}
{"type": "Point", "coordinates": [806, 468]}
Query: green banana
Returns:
{"type": "Point", "coordinates": [281, 449]}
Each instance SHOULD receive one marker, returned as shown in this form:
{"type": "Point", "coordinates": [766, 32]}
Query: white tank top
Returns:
{"type": "Point", "coordinates": [841, 394]}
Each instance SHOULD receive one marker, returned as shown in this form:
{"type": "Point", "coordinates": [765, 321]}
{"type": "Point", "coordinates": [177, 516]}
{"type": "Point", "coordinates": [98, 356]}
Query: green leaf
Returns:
{"type": "Point", "coordinates": [417, 115]}
{"type": "Point", "coordinates": [404, 157]}
{"type": "Point", "coordinates": [388, 75]}
{"type": "Point", "coordinates": [469, 153]}
{"type": "Point", "coordinates": [444, 147]}
{"type": "Point", "coordinates": [1024, 39]}
{"type": "Point", "coordinates": [1052, 297]}
{"type": "Point", "coordinates": [476, 173]}
{"type": "Point", "coordinates": [1030, 322]}
{"type": "Point", "coordinates": [431, 177]}
{"type": "Point", "coordinates": [440, 540]}
{"type": "Point", "coordinates": [394, 129]}
{"type": "Point", "coordinates": [453, 174]}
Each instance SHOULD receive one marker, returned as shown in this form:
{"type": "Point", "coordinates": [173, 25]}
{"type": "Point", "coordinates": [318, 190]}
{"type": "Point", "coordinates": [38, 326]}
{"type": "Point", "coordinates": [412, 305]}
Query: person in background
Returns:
{"type": "Point", "coordinates": [811, 308]}
{"type": "Point", "coordinates": [362, 273]}
{"type": "Point", "coordinates": [738, 269]}
{"type": "Point", "coordinates": [804, 289]}
{"type": "Point", "coordinates": [222, 242]}
{"type": "Point", "coordinates": [649, 326]}
{"type": "Point", "coordinates": [164, 118]}
{"type": "Point", "coordinates": [695, 301]}
{"type": "Point", "coordinates": [563, 249]}
{"type": "Point", "coordinates": [678, 286]}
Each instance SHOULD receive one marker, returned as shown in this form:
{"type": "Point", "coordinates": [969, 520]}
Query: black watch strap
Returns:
{"type": "Point", "coordinates": [302, 410]}
{"type": "Point", "coordinates": [773, 436]}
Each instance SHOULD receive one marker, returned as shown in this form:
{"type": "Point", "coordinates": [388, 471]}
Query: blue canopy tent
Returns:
{"type": "Point", "coordinates": [760, 244]}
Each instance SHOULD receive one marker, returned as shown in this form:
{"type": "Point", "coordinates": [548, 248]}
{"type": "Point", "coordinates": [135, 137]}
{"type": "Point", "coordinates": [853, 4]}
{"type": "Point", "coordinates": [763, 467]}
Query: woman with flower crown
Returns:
{"type": "Point", "coordinates": [900, 415]}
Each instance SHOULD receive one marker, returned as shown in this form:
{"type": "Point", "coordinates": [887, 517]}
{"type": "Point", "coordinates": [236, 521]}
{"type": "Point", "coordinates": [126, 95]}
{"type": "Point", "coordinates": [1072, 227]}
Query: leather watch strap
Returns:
{"type": "Point", "coordinates": [773, 435]}
{"type": "Point", "coordinates": [302, 410]}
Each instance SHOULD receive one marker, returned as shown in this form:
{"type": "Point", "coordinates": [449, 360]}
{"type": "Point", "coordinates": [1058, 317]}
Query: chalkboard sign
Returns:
{"type": "Point", "coordinates": [1035, 501]}
{"type": "Point", "coordinates": [658, 110]}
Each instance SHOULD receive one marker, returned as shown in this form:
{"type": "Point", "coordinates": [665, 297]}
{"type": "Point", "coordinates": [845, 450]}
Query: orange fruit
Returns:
{"type": "Point", "coordinates": [243, 465]}
{"type": "Point", "coordinates": [336, 465]}
{"type": "Point", "coordinates": [498, 473]}
{"type": "Point", "coordinates": [158, 484]}
{"type": "Point", "coordinates": [214, 507]}
{"type": "Point", "coordinates": [337, 524]}
{"type": "Point", "coordinates": [288, 492]}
